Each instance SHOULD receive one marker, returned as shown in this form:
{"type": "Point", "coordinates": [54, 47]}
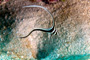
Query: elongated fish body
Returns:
{"type": "Point", "coordinates": [51, 30]}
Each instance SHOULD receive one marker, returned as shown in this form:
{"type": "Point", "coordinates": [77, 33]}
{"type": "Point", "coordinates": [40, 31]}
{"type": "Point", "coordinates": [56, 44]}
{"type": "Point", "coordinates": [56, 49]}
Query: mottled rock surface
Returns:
{"type": "Point", "coordinates": [72, 21]}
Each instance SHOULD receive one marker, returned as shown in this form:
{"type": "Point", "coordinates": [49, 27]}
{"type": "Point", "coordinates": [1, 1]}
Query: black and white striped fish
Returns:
{"type": "Point", "coordinates": [51, 30]}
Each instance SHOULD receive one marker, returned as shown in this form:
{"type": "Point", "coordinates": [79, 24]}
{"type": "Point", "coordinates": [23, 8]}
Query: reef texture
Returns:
{"type": "Point", "coordinates": [72, 22]}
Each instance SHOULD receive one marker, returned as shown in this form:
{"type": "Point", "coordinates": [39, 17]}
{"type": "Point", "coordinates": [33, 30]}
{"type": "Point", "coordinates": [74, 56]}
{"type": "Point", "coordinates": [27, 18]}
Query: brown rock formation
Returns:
{"type": "Point", "coordinates": [72, 21]}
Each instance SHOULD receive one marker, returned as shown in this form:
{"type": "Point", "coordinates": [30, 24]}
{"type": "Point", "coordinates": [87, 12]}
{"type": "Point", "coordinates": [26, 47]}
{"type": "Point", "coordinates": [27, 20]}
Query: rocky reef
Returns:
{"type": "Point", "coordinates": [72, 22]}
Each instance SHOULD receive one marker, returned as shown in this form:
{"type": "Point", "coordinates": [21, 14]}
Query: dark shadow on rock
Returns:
{"type": "Point", "coordinates": [6, 21]}
{"type": "Point", "coordinates": [46, 1]}
{"type": "Point", "coordinates": [48, 46]}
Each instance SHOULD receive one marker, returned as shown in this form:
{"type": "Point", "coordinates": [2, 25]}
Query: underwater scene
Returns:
{"type": "Point", "coordinates": [44, 30]}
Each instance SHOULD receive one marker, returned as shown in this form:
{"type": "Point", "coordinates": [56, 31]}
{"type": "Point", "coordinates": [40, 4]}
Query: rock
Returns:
{"type": "Point", "coordinates": [72, 22]}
